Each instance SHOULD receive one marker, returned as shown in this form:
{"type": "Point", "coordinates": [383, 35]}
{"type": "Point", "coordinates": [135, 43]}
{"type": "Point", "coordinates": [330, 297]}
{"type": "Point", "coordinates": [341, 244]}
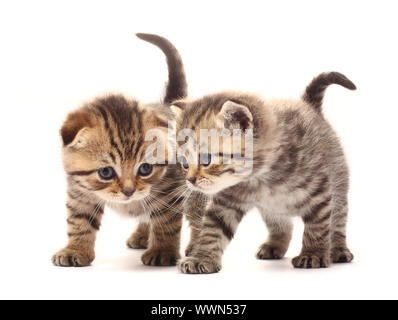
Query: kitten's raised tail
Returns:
{"type": "Point", "coordinates": [177, 84]}
{"type": "Point", "coordinates": [316, 89]}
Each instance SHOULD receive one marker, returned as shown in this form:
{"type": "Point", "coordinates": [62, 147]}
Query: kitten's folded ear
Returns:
{"type": "Point", "coordinates": [76, 127]}
{"type": "Point", "coordinates": [177, 107]}
{"type": "Point", "coordinates": [235, 116]}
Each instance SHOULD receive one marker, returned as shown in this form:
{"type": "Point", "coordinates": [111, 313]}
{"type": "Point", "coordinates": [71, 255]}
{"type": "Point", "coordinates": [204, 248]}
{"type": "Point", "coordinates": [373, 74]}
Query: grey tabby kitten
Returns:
{"type": "Point", "coordinates": [299, 169]}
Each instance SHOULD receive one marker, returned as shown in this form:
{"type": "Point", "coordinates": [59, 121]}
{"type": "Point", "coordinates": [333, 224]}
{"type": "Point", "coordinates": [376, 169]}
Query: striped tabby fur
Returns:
{"type": "Point", "coordinates": [299, 169]}
{"type": "Point", "coordinates": [109, 132]}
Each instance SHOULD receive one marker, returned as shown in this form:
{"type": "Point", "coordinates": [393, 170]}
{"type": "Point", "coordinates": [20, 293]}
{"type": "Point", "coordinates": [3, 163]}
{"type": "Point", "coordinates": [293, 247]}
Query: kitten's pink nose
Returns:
{"type": "Point", "coordinates": [192, 180]}
{"type": "Point", "coordinates": [128, 192]}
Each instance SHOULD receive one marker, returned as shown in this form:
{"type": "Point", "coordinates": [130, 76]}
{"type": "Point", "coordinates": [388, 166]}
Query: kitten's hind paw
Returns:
{"type": "Point", "coordinates": [72, 258]}
{"type": "Point", "coordinates": [270, 252]}
{"type": "Point", "coordinates": [137, 241]}
{"type": "Point", "coordinates": [341, 255]}
{"type": "Point", "coordinates": [160, 257]}
{"type": "Point", "coordinates": [193, 265]}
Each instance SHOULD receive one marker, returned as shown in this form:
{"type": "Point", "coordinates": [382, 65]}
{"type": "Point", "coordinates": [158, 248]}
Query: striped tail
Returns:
{"type": "Point", "coordinates": [177, 84]}
{"type": "Point", "coordinates": [316, 89]}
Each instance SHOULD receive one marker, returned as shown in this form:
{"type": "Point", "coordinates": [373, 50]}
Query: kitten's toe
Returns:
{"type": "Point", "coordinates": [342, 255]}
{"type": "Point", "coordinates": [137, 241]}
{"type": "Point", "coordinates": [311, 261]}
{"type": "Point", "coordinates": [193, 265]}
{"type": "Point", "coordinates": [72, 258]}
{"type": "Point", "coordinates": [270, 252]}
{"type": "Point", "coordinates": [160, 257]}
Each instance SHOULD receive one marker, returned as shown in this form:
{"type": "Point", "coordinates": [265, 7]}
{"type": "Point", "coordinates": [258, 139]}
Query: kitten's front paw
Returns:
{"type": "Point", "coordinates": [342, 255]}
{"type": "Point", "coordinates": [311, 261]}
{"type": "Point", "coordinates": [193, 265]}
{"type": "Point", "coordinates": [160, 257]}
{"type": "Point", "coordinates": [72, 258]}
{"type": "Point", "coordinates": [270, 252]}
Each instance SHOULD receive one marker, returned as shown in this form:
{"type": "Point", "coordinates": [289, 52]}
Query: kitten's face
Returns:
{"type": "Point", "coordinates": [104, 150]}
{"type": "Point", "coordinates": [212, 178]}
{"type": "Point", "coordinates": [211, 167]}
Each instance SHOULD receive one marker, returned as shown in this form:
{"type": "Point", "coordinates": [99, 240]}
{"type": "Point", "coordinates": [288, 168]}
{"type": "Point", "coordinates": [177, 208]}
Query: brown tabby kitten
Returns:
{"type": "Point", "coordinates": [298, 169]}
{"type": "Point", "coordinates": [103, 154]}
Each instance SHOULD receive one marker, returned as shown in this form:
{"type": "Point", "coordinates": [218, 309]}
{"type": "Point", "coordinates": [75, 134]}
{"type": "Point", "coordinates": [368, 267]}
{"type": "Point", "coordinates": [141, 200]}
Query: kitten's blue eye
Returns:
{"type": "Point", "coordinates": [205, 159]}
{"type": "Point", "coordinates": [106, 173]}
{"type": "Point", "coordinates": [184, 162]}
{"type": "Point", "coordinates": [145, 169]}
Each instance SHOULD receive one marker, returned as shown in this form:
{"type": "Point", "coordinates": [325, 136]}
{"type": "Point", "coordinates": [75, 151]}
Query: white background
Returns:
{"type": "Point", "coordinates": [57, 54]}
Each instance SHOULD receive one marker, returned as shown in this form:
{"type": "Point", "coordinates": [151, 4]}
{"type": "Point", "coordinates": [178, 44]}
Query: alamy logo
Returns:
{"type": "Point", "coordinates": [203, 147]}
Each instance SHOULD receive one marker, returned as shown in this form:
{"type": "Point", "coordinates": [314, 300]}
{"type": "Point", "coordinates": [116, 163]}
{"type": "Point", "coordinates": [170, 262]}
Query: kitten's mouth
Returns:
{"type": "Point", "coordinates": [122, 200]}
{"type": "Point", "coordinates": [196, 188]}
{"type": "Point", "coordinates": [201, 188]}
{"type": "Point", "coordinates": [125, 199]}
